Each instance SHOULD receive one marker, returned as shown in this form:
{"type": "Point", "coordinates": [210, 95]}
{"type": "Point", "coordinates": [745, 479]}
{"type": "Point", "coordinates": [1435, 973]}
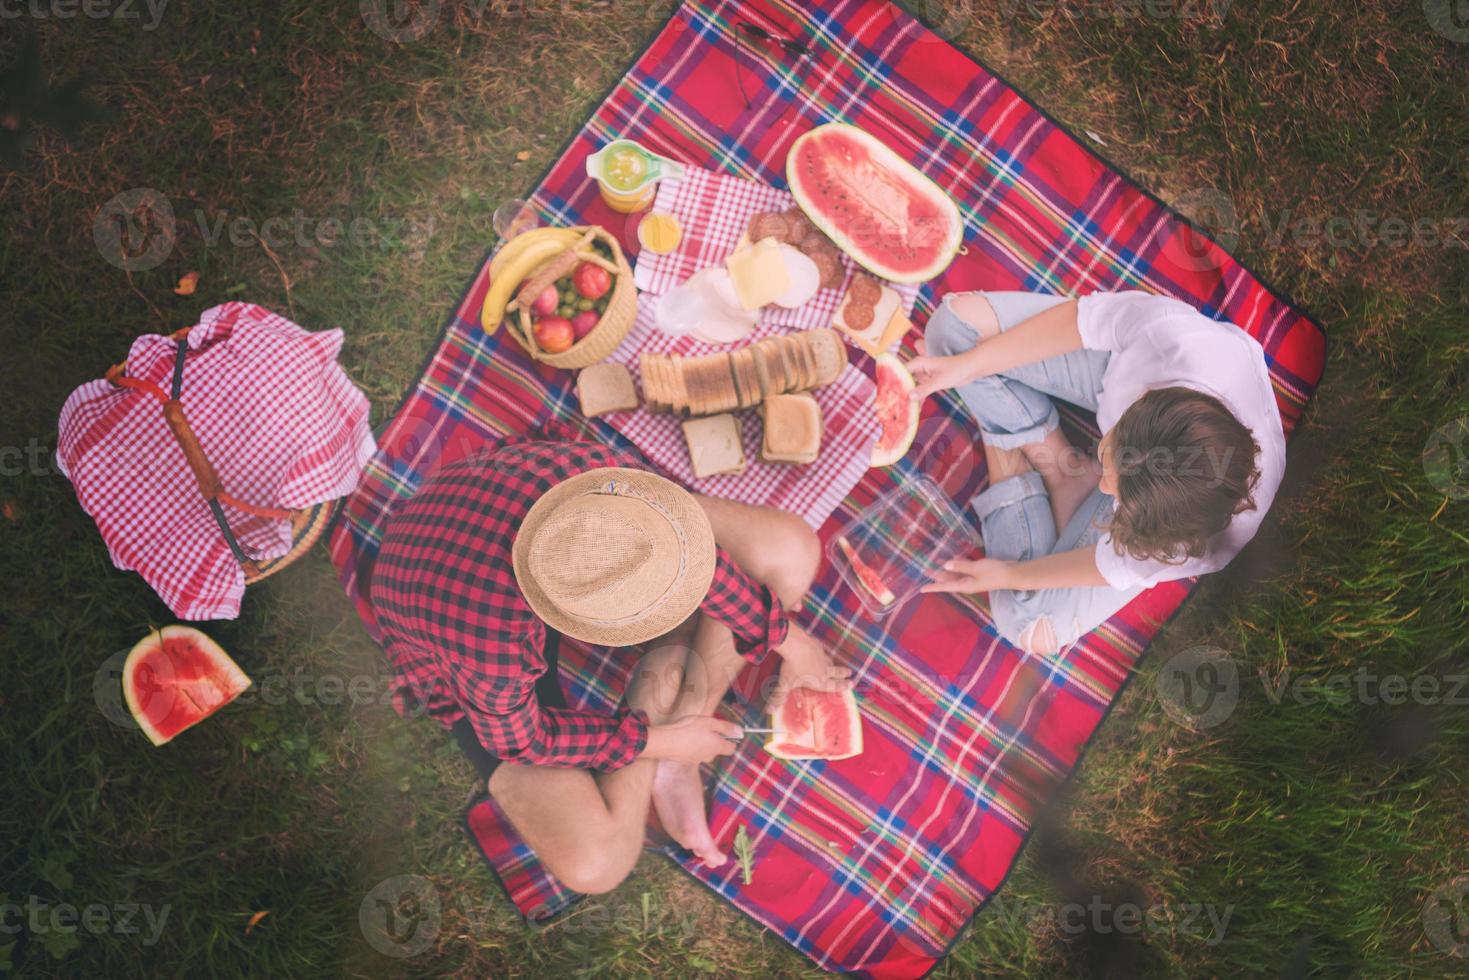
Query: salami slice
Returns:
{"type": "Point", "coordinates": [827, 264]}
{"type": "Point", "coordinates": [865, 288]}
{"type": "Point", "coordinates": [769, 224]}
{"type": "Point", "coordinates": [859, 315]}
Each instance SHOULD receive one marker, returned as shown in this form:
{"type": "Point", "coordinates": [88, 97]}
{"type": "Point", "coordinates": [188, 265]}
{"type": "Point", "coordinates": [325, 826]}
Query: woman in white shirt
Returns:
{"type": "Point", "coordinates": [1191, 455]}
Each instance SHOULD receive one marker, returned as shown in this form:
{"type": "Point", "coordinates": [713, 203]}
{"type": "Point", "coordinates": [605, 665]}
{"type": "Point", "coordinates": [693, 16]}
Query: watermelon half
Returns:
{"type": "Point", "coordinates": [897, 412]}
{"type": "Point", "coordinates": [815, 724]}
{"type": "Point", "coordinates": [875, 205]}
{"type": "Point", "coordinates": [175, 678]}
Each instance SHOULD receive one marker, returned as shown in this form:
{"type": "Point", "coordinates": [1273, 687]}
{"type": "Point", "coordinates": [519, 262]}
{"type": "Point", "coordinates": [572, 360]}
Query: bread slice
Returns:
{"type": "Point", "coordinates": [793, 427]}
{"type": "Point", "coordinates": [830, 354]}
{"type": "Point", "coordinates": [715, 445]}
{"type": "Point", "coordinates": [767, 358]}
{"type": "Point", "coordinates": [726, 395]}
{"type": "Point", "coordinates": [736, 378]}
{"type": "Point", "coordinates": [650, 393]}
{"type": "Point", "coordinates": [605, 387]}
{"type": "Point", "coordinates": [804, 360]}
{"type": "Point", "coordinates": [678, 386]}
{"type": "Point", "coordinates": [663, 370]}
{"type": "Point", "coordinates": [696, 370]}
{"type": "Point", "coordinates": [788, 365]}
{"type": "Point", "coordinates": [746, 378]}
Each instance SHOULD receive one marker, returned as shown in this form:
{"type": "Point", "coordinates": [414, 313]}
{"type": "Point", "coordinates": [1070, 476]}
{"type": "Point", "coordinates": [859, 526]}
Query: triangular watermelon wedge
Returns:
{"type": "Point", "coordinates": [815, 724]}
{"type": "Point", "coordinates": [175, 678]}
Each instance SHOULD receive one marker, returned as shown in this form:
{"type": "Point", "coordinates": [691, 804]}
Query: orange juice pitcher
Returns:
{"type": "Point", "coordinates": [628, 175]}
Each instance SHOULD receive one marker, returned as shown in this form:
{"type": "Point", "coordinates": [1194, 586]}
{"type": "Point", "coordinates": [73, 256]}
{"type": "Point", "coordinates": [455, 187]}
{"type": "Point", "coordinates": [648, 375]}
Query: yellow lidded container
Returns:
{"type": "Point", "coordinates": [628, 175]}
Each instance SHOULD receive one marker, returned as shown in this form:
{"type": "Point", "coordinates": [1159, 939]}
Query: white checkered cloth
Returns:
{"type": "Point", "coordinates": [714, 210]}
{"type": "Point", "coordinates": [277, 417]}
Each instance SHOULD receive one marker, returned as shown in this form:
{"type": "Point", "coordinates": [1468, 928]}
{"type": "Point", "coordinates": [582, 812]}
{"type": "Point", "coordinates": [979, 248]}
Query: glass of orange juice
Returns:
{"type": "Point", "coordinates": [659, 232]}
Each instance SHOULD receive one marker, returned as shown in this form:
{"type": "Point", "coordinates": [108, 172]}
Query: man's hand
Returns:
{"type": "Point", "coordinates": [805, 663]}
{"type": "Point", "coordinates": [935, 374]}
{"type": "Point", "coordinates": [982, 575]}
{"type": "Point", "coordinates": [694, 738]}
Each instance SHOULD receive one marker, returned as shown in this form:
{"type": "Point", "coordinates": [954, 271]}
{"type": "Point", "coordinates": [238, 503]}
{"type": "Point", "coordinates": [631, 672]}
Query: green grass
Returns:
{"type": "Point", "coordinates": [1323, 828]}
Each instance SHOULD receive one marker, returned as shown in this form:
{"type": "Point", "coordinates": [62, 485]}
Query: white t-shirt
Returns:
{"type": "Point", "coordinates": [1159, 342]}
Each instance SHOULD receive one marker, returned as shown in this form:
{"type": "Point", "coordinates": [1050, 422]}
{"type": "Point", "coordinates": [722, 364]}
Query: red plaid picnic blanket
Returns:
{"type": "Point", "coordinates": [278, 418]}
{"type": "Point", "coordinates": [714, 211]}
{"type": "Point", "coordinates": [872, 865]}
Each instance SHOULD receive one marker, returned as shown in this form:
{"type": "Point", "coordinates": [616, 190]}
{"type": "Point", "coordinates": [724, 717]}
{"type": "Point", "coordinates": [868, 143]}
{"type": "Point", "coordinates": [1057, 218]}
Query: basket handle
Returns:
{"type": "Point", "coordinates": [205, 475]}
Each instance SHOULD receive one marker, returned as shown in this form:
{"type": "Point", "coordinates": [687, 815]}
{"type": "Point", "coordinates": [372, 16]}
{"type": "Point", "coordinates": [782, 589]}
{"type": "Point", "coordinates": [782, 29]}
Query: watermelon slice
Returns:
{"type": "Point", "coordinates": [816, 725]}
{"type": "Point", "coordinates": [897, 412]}
{"type": "Point", "coordinates": [876, 206]}
{"type": "Point", "coordinates": [867, 575]}
{"type": "Point", "coordinates": [175, 678]}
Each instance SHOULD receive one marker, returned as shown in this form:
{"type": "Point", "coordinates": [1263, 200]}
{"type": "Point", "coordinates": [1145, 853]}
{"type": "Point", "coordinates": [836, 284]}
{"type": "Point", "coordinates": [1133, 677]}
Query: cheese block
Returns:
{"type": "Point", "coordinates": [759, 274]}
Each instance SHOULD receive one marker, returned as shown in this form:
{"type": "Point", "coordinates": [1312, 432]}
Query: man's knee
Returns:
{"type": "Point", "coordinates": [597, 865]}
{"type": "Point", "coordinates": [794, 563]}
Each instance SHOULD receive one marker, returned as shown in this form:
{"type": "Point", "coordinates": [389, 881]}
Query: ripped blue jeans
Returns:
{"type": "Point", "coordinates": [1017, 409]}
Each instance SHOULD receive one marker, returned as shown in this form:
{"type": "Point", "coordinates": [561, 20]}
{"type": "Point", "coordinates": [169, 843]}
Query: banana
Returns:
{"type": "Point", "coordinates": [524, 240]}
{"type": "Point", "coordinates": [507, 275]}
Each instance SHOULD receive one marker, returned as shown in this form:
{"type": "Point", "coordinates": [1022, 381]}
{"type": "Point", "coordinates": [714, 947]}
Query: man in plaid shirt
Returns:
{"type": "Point", "coordinates": [467, 646]}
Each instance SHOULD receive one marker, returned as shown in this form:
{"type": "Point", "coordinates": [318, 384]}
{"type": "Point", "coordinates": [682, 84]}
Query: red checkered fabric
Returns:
{"type": "Point", "coordinates": [872, 865]}
{"type": "Point", "coordinates": [463, 641]}
{"type": "Point", "coordinates": [277, 417]}
{"type": "Point", "coordinates": [714, 210]}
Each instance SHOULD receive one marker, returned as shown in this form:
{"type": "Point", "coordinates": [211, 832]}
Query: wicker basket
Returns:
{"type": "Point", "coordinates": [307, 524]}
{"type": "Point", "coordinates": [307, 528]}
{"type": "Point", "coordinates": [611, 330]}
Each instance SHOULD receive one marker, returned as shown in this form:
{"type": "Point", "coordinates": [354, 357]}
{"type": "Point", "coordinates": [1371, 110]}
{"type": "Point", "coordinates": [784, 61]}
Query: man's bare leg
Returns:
{"type": "Point", "coordinates": [587, 828]}
{"type": "Point", "coordinates": [678, 793]}
{"type": "Point", "coordinates": [778, 550]}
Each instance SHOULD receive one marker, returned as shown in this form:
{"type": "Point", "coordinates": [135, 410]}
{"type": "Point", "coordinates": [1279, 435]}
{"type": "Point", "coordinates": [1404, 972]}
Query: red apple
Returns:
{"type": "Point", "coordinates": [554, 334]}
{"type": "Point", "coordinates": [584, 322]}
{"type": "Point", "coordinates": [546, 303]}
{"type": "Point", "coordinates": [591, 281]}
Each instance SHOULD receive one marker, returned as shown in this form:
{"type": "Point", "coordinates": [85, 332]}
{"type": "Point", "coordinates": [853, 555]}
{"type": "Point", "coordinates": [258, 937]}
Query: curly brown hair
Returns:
{"type": "Point", "coordinates": [1185, 466]}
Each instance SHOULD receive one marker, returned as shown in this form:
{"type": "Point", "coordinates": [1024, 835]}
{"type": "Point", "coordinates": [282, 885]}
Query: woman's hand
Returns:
{"type": "Point", "coordinates": [805, 663]}
{"type": "Point", "coordinates": [980, 575]}
{"type": "Point", "coordinates": [935, 374]}
{"type": "Point", "coordinates": [693, 738]}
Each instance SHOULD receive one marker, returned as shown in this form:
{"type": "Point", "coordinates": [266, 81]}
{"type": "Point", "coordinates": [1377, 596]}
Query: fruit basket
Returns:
{"type": "Point", "coordinates": [616, 320]}
{"type": "Point", "coordinates": [897, 545]}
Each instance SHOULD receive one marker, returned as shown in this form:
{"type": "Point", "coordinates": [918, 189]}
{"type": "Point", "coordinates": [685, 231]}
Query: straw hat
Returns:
{"type": "Point", "coordinates": [614, 556]}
